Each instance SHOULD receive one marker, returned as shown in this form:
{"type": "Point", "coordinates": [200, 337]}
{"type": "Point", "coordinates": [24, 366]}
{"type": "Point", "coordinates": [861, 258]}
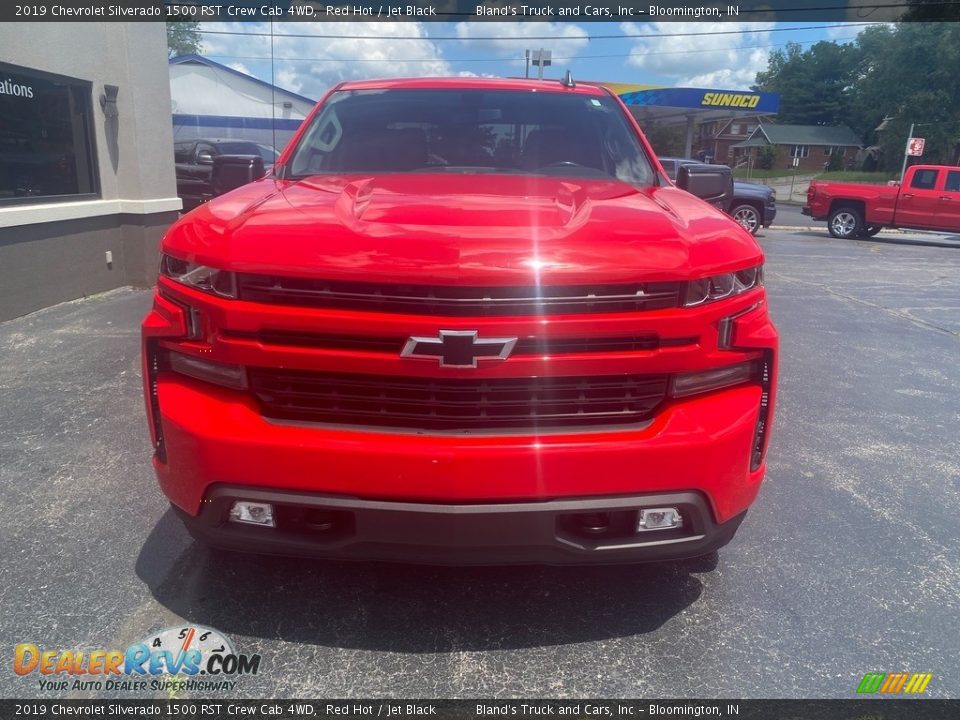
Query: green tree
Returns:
{"type": "Point", "coordinates": [767, 157]}
{"type": "Point", "coordinates": [813, 84]}
{"type": "Point", "coordinates": [909, 74]}
{"type": "Point", "coordinates": [183, 37]}
{"type": "Point", "coordinates": [667, 140]}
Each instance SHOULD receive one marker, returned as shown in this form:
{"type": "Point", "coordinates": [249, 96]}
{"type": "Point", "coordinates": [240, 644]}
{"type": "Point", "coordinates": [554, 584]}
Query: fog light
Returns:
{"type": "Point", "coordinates": [658, 519]}
{"type": "Point", "coordinates": [252, 513]}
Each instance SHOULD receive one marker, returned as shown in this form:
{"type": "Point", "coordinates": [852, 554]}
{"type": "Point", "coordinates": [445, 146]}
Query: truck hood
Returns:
{"type": "Point", "coordinates": [472, 229]}
{"type": "Point", "coordinates": [750, 189]}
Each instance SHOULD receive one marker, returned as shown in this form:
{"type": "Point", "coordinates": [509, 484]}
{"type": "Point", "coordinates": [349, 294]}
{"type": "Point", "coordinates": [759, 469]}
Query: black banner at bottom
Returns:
{"type": "Point", "coordinates": [858, 709]}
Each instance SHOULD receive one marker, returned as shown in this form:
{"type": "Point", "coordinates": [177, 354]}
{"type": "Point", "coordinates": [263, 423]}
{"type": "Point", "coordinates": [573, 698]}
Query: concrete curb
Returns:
{"type": "Point", "coordinates": [895, 237]}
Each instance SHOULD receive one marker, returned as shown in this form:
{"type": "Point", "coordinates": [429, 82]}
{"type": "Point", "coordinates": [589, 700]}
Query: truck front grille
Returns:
{"type": "Point", "coordinates": [457, 405]}
{"type": "Point", "coordinates": [454, 300]}
{"type": "Point", "coordinates": [524, 346]}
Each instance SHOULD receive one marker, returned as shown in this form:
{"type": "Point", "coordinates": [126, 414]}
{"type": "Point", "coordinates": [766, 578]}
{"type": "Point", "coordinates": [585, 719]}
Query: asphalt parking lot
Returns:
{"type": "Point", "coordinates": [848, 563]}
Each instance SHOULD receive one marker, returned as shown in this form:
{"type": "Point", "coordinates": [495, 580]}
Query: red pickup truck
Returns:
{"type": "Point", "coordinates": [464, 321]}
{"type": "Point", "coordinates": [928, 199]}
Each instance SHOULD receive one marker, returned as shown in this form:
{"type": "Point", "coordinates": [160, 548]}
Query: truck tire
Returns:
{"type": "Point", "coordinates": [845, 222]}
{"type": "Point", "coordinates": [747, 217]}
{"type": "Point", "coordinates": [870, 230]}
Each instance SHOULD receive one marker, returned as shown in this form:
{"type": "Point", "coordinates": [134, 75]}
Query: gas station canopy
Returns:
{"type": "Point", "coordinates": [679, 106]}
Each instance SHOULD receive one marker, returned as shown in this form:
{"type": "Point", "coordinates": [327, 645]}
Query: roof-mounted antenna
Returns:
{"type": "Point", "coordinates": [568, 80]}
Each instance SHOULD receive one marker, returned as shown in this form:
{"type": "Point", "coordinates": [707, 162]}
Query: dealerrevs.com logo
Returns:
{"type": "Point", "coordinates": [172, 659]}
{"type": "Point", "coordinates": [894, 683]}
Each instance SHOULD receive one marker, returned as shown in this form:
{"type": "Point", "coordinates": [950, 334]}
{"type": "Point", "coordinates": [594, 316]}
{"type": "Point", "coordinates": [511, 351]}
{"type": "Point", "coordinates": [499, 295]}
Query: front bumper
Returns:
{"type": "Point", "coordinates": [214, 435]}
{"type": "Point", "coordinates": [769, 214]}
{"type": "Point", "coordinates": [211, 437]}
{"type": "Point", "coordinates": [548, 532]}
{"type": "Point", "coordinates": [806, 210]}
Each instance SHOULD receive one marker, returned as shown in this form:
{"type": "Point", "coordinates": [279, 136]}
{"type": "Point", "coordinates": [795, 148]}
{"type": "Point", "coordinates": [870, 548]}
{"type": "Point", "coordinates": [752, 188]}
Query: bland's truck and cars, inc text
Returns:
{"type": "Point", "coordinates": [463, 321]}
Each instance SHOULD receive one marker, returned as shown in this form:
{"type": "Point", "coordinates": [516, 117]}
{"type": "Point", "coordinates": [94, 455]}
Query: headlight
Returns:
{"type": "Point", "coordinates": [199, 277]}
{"type": "Point", "coordinates": [686, 384]}
{"type": "Point", "coordinates": [230, 376]}
{"type": "Point", "coordinates": [723, 286]}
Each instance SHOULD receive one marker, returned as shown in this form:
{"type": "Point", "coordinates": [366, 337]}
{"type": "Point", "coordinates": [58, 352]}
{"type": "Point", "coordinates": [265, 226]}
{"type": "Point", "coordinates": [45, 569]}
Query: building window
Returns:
{"type": "Point", "coordinates": [800, 151]}
{"type": "Point", "coordinates": [835, 150]}
{"type": "Point", "coordinates": [735, 129]}
{"type": "Point", "coordinates": [46, 142]}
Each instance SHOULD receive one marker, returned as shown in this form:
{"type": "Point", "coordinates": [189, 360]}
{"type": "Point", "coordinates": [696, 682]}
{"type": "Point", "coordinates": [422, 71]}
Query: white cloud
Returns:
{"type": "Point", "coordinates": [471, 74]}
{"type": "Point", "coordinates": [566, 39]}
{"type": "Point", "coordinates": [845, 34]}
{"type": "Point", "coordinates": [729, 62]}
{"type": "Point", "coordinates": [311, 65]}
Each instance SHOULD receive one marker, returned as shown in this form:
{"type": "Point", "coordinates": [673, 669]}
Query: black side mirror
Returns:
{"type": "Point", "coordinates": [712, 183]}
{"type": "Point", "coordinates": [232, 171]}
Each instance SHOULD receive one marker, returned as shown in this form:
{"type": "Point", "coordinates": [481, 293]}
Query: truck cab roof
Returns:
{"type": "Point", "coordinates": [455, 83]}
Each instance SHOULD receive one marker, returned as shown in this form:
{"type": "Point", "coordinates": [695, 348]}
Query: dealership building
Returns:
{"type": "Point", "coordinates": [87, 184]}
{"type": "Point", "coordinates": [211, 100]}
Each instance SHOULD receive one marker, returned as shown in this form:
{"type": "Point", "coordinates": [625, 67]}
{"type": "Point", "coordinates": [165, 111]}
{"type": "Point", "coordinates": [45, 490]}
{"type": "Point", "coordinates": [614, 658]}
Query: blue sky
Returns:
{"type": "Point", "coordinates": [309, 65]}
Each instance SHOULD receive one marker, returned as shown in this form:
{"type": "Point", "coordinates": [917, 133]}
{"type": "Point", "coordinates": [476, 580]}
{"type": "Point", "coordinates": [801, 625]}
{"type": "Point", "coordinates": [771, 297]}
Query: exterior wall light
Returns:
{"type": "Point", "coordinates": [108, 101]}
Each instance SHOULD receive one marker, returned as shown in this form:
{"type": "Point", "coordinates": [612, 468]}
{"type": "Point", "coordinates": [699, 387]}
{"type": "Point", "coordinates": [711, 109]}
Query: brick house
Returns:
{"type": "Point", "coordinates": [812, 145]}
{"type": "Point", "coordinates": [716, 138]}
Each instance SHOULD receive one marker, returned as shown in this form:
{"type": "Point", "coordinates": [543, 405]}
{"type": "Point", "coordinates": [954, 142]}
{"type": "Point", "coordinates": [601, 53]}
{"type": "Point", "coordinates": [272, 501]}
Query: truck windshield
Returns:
{"type": "Point", "coordinates": [471, 131]}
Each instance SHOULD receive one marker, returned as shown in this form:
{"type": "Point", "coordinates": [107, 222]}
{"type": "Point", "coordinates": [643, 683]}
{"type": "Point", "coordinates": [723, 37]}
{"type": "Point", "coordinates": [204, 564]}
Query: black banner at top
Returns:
{"type": "Point", "coordinates": [212, 709]}
{"type": "Point", "coordinates": [809, 11]}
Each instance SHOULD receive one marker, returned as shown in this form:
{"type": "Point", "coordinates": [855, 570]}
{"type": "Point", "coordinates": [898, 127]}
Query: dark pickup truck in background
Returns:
{"type": "Point", "coordinates": [753, 205]}
{"type": "Point", "coordinates": [195, 163]}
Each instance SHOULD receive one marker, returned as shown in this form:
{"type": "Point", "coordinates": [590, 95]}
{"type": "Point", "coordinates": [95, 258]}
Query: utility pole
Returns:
{"type": "Point", "coordinates": [906, 149]}
{"type": "Point", "coordinates": [526, 72]}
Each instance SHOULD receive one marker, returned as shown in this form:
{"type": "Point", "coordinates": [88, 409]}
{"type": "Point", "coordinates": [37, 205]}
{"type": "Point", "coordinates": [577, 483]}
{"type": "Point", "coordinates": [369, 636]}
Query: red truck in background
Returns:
{"type": "Point", "coordinates": [927, 199]}
{"type": "Point", "coordinates": [464, 321]}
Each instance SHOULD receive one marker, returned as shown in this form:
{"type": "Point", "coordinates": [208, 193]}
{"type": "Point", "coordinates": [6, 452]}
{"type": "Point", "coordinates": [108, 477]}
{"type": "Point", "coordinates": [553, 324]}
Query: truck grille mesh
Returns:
{"type": "Point", "coordinates": [453, 300]}
{"type": "Point", "coordinates": [452, 405]}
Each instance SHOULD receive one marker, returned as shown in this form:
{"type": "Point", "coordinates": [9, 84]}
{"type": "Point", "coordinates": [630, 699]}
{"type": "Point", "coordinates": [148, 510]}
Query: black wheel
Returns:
{"type": "Point", "coordinates": [747, 217]}
{"type": "Point", "coordinates": [870, 230]}
{"type": "Point", "coordinates": [845, 223]}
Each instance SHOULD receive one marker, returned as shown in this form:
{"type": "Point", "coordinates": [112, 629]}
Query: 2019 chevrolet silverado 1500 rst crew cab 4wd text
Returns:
{"type": "Point", "coordinates": [464, 321]}
{"type": "Point", "coordinates": [927, 199]}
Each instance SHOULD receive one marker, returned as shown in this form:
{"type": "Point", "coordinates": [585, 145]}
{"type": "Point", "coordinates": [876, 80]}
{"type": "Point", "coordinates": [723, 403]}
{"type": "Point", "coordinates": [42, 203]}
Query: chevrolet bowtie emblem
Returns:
{"type": "Point", "coordinates": [459, 348]}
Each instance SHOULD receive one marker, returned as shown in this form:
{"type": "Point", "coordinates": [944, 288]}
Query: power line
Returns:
{"type": "Point", "coordinates": [516, 59]}
{"type": "Point", "coordinates": [528, 38]}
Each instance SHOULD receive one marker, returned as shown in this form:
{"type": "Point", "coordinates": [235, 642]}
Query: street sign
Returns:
{"type": "Point", "coordinates": [915, 146]}
{"type": "Point", "coordinates": [542, 57]}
